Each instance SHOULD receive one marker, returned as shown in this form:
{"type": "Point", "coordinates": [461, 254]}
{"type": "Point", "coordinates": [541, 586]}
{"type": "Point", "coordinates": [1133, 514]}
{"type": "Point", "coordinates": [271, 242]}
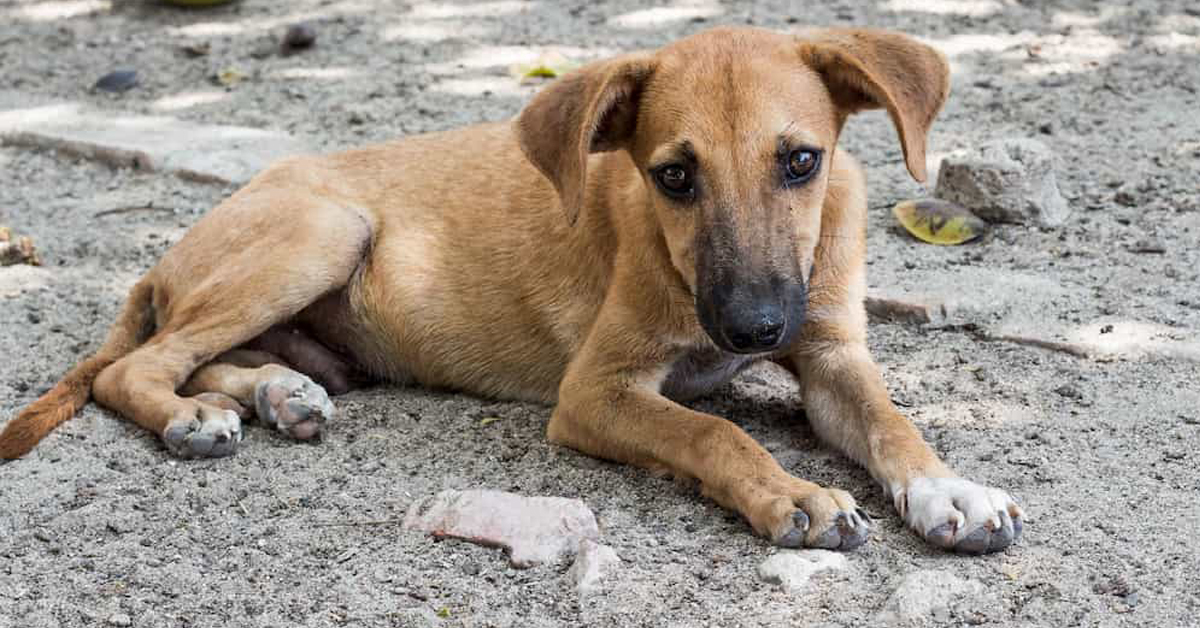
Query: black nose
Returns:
{"type": "Point", "coordinates": [761, 331]}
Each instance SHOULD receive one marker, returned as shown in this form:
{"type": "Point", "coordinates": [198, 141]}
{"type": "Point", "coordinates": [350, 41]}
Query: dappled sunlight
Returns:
{"type": "Point", "coordinates": [239, 25]}
{"type": "Point", "coordinates": [1132, 339]}
{"type": "Point", "coordinates": [659, 16]}
{"type": "Point", "coordinates": [973, 8]}
{"type": "Point", "coordinates": [988, 413]}
{"type": "Point", "coordinates": [186, 100]}
{"type": "Point", "coordinates": [432, 32]}
{"type": "Point", "coordinates": [444, 10]}
{"type": "Point", "coordinates": [62, 9]}
{"type": "Point", "coordinates": [483, 86]}
{"type": "Point", "coordinates": [19, 278]}
{"type": "Point", "coordinates": [485, 57]}
{"type": "Point", "coordinates": [18, 118]}
{"type": "Point", "coordinates": [1072, 19]}
{"type": "Point", "coordinates": [320, 74]}
{"type": "Point", "coordinates": [1078, 50]}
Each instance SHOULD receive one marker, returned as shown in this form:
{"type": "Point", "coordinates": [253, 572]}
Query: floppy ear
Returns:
{"type": "Point", "coordinates": [593, 109]}
{"type": "Point", "coordinates": [869, 69]}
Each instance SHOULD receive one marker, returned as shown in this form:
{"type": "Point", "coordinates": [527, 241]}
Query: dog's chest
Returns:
{"type": "Point", "coordinates": [701, 370]}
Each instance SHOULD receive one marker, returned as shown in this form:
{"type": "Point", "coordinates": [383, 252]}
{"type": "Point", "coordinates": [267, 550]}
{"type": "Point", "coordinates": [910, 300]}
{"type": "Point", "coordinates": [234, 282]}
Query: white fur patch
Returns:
{"type": "Point", "coordinates": [927, 503]}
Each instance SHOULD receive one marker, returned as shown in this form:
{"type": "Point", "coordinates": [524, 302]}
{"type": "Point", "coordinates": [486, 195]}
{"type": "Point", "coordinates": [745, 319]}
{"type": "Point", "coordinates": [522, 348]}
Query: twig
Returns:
{"type": "Point", "coordinates": [1061, 347]}
{"type": "Point", "coordinates": [129, 209]}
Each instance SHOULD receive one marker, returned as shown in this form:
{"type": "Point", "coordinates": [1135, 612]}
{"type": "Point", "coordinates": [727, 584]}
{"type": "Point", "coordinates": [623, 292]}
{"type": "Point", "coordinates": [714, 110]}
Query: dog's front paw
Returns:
{"type": "Point", "coordinates": [957, 514]}
{"type": "Point", "coordinates": [824, 518]}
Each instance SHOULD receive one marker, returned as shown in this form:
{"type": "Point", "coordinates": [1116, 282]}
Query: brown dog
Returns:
{"type": "Point", "coordinates": [647, 227]}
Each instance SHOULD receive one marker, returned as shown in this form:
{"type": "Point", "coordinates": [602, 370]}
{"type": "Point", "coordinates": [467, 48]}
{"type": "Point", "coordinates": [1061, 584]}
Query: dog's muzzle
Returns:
{"type": "Point", "coordinates": [753, 317]}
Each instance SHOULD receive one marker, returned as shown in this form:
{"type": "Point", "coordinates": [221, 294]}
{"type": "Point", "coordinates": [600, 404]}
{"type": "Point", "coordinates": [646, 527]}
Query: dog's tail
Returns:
{"type": "Point", "coordinates": [52, 409]}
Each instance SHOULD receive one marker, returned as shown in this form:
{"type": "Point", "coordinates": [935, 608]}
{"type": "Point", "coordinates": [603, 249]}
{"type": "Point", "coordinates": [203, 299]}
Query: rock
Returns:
{"type": "Point", "coordinates": [925, 594]}
{"type": "Point", "coordinates": [792, 569]}
{"type": "Point", "coordinates": [120, 619]}
{"type": "Point", "coordinates": [593, 562]}
{"type": "Point", "coordinates": [1008, 180]}
{"type": "Point", "coordinates": [534, 530]}
{"type": "Point", "coordinates": [199, 152]}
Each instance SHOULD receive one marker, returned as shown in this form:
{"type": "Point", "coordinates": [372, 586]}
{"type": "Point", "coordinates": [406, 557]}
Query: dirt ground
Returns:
{"type": "Point", "coordinates": [101, 526]}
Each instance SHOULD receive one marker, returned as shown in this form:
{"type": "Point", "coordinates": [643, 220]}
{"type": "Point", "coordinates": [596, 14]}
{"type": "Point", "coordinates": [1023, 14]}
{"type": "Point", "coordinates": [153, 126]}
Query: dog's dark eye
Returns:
{"type": "Point", "coordinates": [801, 164]}
{"type": "Point", "coordinates": [675, 181]}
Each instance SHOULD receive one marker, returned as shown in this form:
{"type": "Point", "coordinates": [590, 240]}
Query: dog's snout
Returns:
{"type": "Point", "coordinates": [761, 331]}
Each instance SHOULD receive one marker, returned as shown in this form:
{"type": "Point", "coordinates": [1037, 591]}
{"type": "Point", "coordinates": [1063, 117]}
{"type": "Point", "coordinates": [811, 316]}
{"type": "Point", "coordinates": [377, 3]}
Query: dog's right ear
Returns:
{"type": "Point", "coordinates": [590, 110]}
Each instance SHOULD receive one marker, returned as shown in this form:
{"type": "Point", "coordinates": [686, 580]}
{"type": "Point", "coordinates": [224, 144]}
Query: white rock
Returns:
{"type": "Point", "coordinates": [1008, 180]}
{"type": "Point", "coordinates": [200, 152]}
{"type": "Point", "coordinates": [792, 569]}
{"type": "Point", "coordinates": [534, 530]}
{"type": "Point", "coordinates": [592, 564]}
{"type": "Point", "coordinates": [924, 593]}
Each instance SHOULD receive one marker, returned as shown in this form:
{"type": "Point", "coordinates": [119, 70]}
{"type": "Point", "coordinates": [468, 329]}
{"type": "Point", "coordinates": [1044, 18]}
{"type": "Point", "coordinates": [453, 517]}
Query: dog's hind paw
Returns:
{"type": "Point", "coordinates": [294, 404]}
{"type": "Point", "coordinates": [960, 515]}
{"type": "Point", "coordinates": [203, 432]}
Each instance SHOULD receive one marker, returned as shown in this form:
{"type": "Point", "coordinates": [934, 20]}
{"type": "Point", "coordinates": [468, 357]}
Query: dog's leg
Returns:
{"type": "Point", "coordinates": [252, 263]}
{"type": "Point", "coordinates": [280, 396]}
{"type": "Point", "coordinates": [848, 404]}
{"type": "Point", "coordinates": [610, 407]}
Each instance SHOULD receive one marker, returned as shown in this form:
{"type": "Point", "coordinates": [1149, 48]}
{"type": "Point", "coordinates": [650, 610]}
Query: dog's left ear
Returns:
{"type": "Point", "coordinates": [593, 109]}
{"type": "Point", "coordinates": [869, 69]}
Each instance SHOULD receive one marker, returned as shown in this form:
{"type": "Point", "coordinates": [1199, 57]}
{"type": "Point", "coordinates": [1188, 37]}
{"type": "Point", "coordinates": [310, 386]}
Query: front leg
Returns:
{"type": "Point", "coordinates": [848, 404]}
{"type": "Point", "coordinates": [609, 407]}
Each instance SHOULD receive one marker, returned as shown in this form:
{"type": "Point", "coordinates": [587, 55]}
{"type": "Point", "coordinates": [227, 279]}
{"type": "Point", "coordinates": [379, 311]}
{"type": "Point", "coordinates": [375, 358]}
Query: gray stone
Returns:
{"type": "Point", "coordinates": [1008, 180]}
{"type": "Point", "coordinates": [120, 619]}
{"type": "Point", "coordinates": [792, 569]}
{"type": "Point", "coordinates": [534, 530]}
{"type": "Point", "coordinates": [592, 564]}
{"type": "Point", "coordinates": [198, 152]}
{"type": "Point", "coordinates": [925, 594]}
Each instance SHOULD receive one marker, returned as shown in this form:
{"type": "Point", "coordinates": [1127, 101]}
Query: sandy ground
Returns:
{"type": "Point", "coordinates": [100, 525]}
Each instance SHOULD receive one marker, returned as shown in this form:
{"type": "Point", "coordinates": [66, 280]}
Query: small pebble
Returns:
{"type": "Point", "coordinates": [299, 36]}
{"type": "Point", "coordinates": [120, 619]}
{"type": "Point", "coordinates": [118, 81]}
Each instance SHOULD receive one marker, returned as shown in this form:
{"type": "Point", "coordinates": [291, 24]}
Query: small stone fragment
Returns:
{"type": "Point", "coordinates": [120, 619]}
{"type": "Point", "coordinates": [118, 81]}
{"type": "Point", "coordinates": [298, 37]}
{"type": "Point", "coordinates": [1008, 180]}
{"type": "Point", "coordinates": [593, 562]}
{"type": "Point", "coordinates": [922, 593]}
{"type": "Point", "coordinates": [18, 251]}
{"type": "Point", "coordinates": [534, 530]}
{"type": "Point", "coordinates": [791, 570]}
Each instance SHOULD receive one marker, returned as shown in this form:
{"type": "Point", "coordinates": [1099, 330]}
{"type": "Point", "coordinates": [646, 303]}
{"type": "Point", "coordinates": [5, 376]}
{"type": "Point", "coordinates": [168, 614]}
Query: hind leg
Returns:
{"type": "Point", "coordinates": [281, 397]}
{"type": "Point", "coordinates": [253, 262]}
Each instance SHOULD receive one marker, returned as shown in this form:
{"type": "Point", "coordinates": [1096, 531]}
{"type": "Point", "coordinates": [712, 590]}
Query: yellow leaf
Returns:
{"type": "Point", "coordinates": [444, 612]}
{"type": "Point", "coordinates": [488, 421]}
{"type": "Point", "coordinates": [549, 65]}
{"type": "Point", "coordinates": [230, 77]}
{"type": "Point", "coordinates": [939, 222]}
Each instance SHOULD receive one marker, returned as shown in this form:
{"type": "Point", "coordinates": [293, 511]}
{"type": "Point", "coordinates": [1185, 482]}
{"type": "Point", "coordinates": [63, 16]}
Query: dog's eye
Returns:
{"type": "Point", "coordinates": [801, 164]}
{"type": "Point", "coordinates": [674, 181]}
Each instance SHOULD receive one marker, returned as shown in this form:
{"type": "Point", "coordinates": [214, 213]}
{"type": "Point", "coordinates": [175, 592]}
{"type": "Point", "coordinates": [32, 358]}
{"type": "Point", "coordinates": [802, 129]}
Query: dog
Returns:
{"type": "Point", "coordinates": [646, 227]}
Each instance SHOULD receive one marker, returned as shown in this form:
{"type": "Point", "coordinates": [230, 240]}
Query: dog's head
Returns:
{"type": "Point", "coordinates": [733, 132]}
